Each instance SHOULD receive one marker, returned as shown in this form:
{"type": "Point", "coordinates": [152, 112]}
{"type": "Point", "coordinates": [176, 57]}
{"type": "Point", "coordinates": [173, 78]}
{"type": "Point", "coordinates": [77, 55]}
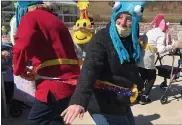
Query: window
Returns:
{"type": "Point", "coordinates": [73, 9]}
{"type": "Point", "coordinates": [73, 18]}
{"type": "Point", "coordinates": [67, 13]}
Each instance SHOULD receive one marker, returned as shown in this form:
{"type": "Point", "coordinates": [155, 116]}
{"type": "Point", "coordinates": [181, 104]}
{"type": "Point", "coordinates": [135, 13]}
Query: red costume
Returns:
{"type": "Point", "coordinates": [39, 39]}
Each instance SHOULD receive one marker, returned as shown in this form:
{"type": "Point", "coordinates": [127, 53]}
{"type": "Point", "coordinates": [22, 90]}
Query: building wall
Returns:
{"type": "Point", "coordinates": [67, 11]}
{"type": "Point", "coordinates": [174, 27]}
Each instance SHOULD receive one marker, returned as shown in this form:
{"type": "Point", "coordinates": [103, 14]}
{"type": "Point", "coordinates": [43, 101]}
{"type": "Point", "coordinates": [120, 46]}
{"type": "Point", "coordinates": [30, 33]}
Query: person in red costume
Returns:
{"type": "Point", "coordinates": [43, 39]}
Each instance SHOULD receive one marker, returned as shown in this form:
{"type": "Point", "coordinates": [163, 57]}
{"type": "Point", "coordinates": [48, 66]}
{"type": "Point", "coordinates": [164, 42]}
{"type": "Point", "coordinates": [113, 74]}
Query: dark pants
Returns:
{"type": "Point", "coordinates": [48, 113]}
{"type": "Point", "coordinates": [105, 119]}
{"type": "Point", "coordinates": [9, 89]}
{"type": "Point", "coordinates": [149, 77]}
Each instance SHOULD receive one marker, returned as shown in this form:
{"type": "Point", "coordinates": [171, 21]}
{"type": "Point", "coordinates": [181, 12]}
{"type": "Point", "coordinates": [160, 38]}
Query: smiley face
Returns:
{"type": "Point", "coordinates": [82, 36]}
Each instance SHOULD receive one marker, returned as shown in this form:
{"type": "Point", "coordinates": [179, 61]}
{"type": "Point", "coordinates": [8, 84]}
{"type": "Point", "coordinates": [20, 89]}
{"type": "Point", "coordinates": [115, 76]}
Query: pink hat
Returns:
{"type": "Point", "coordinates": [160, 22]}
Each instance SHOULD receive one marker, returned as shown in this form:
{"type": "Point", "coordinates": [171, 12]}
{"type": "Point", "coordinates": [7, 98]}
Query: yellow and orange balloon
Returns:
{"type": "Point", "coordinates": [82, 36]}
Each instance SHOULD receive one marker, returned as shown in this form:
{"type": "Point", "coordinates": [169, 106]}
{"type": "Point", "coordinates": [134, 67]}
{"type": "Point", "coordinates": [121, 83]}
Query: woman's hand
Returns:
{"type": "Point", "coordinates": [72, 112]}
{"type": "Point", "coordinates": [176, 44]}
{"type": "Point", "coordinates": [5, 54]}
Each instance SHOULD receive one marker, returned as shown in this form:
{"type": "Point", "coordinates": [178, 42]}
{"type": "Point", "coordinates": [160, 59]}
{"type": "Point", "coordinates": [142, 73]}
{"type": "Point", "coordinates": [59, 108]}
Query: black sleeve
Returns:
{"type": "Point", "coordinates": [93, 64]}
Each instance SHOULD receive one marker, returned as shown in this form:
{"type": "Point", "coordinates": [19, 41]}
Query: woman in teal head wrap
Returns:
{"type": "Point", "coordinates": [107, 83]}
{"type": "Point", "coordinates": [135, 9]}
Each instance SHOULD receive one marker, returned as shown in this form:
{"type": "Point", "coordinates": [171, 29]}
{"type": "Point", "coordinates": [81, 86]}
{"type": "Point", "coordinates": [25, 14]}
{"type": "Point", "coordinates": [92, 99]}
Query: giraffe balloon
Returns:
{"type": "Point", "coordinates": [82, 36]}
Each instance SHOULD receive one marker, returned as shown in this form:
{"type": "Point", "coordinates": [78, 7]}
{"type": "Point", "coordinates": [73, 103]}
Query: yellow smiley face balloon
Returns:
{"type": "Point", "coordinates": [82, 36]}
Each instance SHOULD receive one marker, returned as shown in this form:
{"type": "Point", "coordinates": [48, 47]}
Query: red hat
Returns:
{"type": "Point", "coordinates": [160, 22]}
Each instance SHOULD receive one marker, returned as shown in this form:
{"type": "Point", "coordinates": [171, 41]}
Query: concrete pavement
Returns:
{"type": "Point", "coordinates": [150, 114]}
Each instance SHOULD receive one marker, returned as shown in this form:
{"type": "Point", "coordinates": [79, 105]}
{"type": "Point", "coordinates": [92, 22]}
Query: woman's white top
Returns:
{"type": "Point", "coordinates": [157, 40]}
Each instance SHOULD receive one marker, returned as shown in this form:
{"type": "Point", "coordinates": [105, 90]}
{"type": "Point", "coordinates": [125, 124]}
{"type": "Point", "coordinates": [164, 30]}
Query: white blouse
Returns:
{"type": "Point", "coordinates": [157, 40]}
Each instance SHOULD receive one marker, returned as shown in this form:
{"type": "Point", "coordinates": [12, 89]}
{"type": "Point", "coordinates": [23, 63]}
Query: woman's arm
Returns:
{"type": "Point", "coordinates": [91, 69]}
{"type": "Point", "coordinates": [93, 64]}
{"type": "Point", "coordinates": [162, 47]}
{"type": "Point", "coordinates": [5, 54]}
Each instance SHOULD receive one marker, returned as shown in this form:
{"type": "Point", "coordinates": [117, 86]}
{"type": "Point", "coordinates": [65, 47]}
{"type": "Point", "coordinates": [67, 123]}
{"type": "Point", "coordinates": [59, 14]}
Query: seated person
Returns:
{"type": "Point", "coordinates": [6, 62]}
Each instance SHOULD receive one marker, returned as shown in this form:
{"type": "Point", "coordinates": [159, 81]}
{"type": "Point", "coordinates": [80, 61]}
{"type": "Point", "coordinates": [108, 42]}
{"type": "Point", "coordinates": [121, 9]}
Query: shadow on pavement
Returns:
{"type": "Point", "coordinates": [146, 120]}
{"type": "Point", "coordinates": [172, 94]}
{"type": "Point", "coordinates": [22, 120]}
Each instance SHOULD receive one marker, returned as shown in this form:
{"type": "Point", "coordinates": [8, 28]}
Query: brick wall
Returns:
{"type": "Point", "coordinates": [174, 27]}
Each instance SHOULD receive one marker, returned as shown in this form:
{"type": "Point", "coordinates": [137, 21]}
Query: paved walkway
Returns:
{"type": "Point", "coordinates": [150, 114]}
